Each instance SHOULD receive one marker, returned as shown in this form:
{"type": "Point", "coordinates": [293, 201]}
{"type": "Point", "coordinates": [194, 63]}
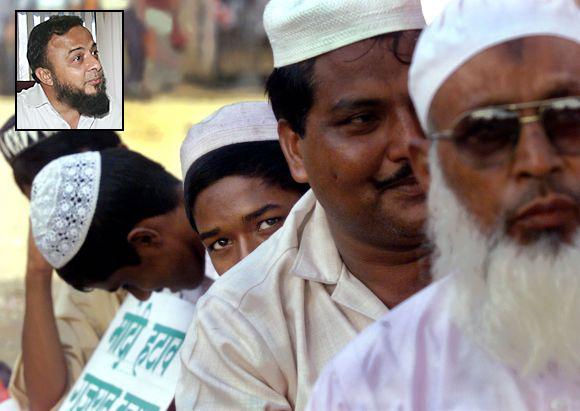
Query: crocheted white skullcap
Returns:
{"type": "Point", "coordinates": [465, 28]}
{"type": "Point", "coordinates": [62, 206]}
{"type": "Point", "coordinates": [236, 123]}
{"type": "Point", "coordinates": [302, 29]}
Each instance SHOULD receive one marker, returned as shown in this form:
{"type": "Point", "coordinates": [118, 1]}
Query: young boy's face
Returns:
{"type": "Point", "coordinates": [236, 214]}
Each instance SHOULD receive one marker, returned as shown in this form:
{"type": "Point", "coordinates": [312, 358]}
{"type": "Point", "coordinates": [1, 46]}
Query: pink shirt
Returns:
{"type": "Point", "coordinates": [414, 358]}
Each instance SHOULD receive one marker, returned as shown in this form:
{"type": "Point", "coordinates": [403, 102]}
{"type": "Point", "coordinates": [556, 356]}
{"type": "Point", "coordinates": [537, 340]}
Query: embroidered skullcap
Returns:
{"type": "Point", "coordinates": [467, 27]}
{"type": "Point", "coordinates": [13, 143]}
{"type": "Point", "coordinates": [300, 29]}
{"type": "Point", "coordinates": [62, 206]}
{"type": "Point", "coordinates": [236, 123]}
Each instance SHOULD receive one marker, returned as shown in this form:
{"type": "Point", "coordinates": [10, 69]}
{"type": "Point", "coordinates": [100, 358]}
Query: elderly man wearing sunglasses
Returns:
{"type": "Point", "coordinates": [496, 87]}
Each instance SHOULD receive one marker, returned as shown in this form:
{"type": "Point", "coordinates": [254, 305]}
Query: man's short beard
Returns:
{"type": "Point", "coordinates": [519, 303]}
{"type": "Point", "coordinates": [91, 105]}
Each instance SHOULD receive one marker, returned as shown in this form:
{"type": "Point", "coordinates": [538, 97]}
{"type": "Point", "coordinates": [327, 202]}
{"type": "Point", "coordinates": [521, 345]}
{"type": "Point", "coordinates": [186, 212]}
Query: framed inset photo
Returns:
{"type": "Point", "coordinates": [69, 70]}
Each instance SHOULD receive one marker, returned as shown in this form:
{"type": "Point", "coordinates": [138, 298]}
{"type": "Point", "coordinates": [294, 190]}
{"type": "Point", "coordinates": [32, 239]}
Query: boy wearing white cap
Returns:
{"type": "Point", "coordinates": [499, 329]}
{"type": "Point", "coordinates": [352, 247]}
{"type": "Point", "coordinates": [114, 220]}
{"type": "Point", "coordinates": [237, 186]}
{"type": "Point", "coordinates": [70, 326]}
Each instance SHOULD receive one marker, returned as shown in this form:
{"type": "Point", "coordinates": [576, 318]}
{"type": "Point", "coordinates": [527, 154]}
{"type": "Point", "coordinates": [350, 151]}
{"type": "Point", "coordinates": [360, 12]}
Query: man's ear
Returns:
{"type": "Point", "coordinates": [44, 75]}
{"type": "Point", "coordinates": [144, 239]}
{"type": "Point", "coordinates": [419, 157]}
{"type": "Point", "coordinates": [290, 143]}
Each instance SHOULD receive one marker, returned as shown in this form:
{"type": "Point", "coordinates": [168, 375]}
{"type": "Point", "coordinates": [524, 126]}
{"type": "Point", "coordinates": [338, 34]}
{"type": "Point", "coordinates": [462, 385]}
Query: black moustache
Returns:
{"type": "Point", "coordinates": [404, 172]}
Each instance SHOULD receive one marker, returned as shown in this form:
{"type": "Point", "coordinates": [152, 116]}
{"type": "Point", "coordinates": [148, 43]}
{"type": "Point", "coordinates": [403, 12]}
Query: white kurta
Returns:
{"type": "Point", "coordinates": [34, 112]}
{"type": "Point", "coordinates": [267, 327]}
{"type": "Point", "coordinates": [415, 358]}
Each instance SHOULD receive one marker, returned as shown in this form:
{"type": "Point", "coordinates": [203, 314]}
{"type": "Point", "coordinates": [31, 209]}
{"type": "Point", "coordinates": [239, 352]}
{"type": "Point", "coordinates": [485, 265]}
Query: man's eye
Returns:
{"type": "Point", "coordinates": [220, 244]}
{"type": "Point", "coordinates": [361, 123]}
{"type": "Point", "coordinates": [95, 53]}
{"type": "Point", "coordinates": [361, 119]}
{"type": "Point", "coordinates": [270, 222]}
{"type": "Point", "coordinates": [77, 58]}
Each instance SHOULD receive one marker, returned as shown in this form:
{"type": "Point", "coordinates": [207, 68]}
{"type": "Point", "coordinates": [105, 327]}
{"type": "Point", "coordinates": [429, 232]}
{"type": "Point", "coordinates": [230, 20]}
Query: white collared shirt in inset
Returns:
{"type": "Point", "coordinates": [34, 112]}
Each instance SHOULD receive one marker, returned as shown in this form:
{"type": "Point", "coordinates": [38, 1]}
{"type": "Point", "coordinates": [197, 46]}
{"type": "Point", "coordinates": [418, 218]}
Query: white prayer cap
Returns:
{"type": "Point", "coordinates": [236, 123]}
{"type": "Point", "coordinates": [467, 27]}
{"type": "Point", "coordinates": [62, 206]}
{"type": "Point", "coordinates": [13, 142]}
{"type": "Point", "coordinates": [302, 29]}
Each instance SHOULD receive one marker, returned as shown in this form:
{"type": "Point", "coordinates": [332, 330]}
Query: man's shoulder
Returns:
{"type": "Point", "coordinates": [268, 264]}
{"type": "Point", "coordinates": [23, 105]}
{"type": "Point", "coordinates": [31, 111]}
{"type": "Point", "coordinates": [381, 367]}
{"type": "Point", "coordinates": [89, 301]}
{"type": "Point", "coordinates": [95, 308]}
{"type": "Point", "coordinates": [22, 95]}
{"type": "Point", "coordinates": [412, 324]}
{"type": "Point", "coordinates": [28, 98]}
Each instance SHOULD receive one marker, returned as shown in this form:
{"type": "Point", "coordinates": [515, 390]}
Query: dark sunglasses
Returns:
{"type": "Point", "coordinates": [488, 136]}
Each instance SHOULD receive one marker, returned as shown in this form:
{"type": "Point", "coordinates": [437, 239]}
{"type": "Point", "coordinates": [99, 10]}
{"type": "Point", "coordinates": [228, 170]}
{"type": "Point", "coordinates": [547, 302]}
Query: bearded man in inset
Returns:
{"type": "Point", "coordinates": [70, 90]}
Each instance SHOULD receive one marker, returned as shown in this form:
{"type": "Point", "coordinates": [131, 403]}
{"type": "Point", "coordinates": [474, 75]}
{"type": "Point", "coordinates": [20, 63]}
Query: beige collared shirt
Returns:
{"type": "Point", "coordinates": [82, 319]}
{"type": "Point", "coordinates": [34, 112]}
{"type": "Point", "coordinates": [267, 327]}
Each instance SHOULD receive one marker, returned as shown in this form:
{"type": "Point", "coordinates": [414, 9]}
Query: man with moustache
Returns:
{"type": "Point", "coordinates": [499, 329]}
{"type": "Point", "coordinates": [353, 246]}
{"type": "Point", "coordinates": [70, 90]}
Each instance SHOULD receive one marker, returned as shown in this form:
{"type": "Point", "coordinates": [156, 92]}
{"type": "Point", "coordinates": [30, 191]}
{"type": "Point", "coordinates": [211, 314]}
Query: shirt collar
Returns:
{"type": "Point", "coordinates": [317, 259]}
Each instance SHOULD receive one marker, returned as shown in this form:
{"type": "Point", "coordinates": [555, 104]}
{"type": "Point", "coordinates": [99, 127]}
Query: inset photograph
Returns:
{"type": "Point", "coordinates": [69, 70]}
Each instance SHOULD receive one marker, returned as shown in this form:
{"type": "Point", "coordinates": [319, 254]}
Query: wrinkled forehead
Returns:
{"type": "Point", "coordinates": [525, 69]}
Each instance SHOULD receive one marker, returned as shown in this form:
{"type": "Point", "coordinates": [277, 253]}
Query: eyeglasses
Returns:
{"type": "Point", "coordinates": [488, 136]}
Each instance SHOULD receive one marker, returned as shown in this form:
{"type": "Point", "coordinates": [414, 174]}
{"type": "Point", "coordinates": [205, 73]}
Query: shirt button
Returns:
{"type": "Point", "coordinates": [558, 404]}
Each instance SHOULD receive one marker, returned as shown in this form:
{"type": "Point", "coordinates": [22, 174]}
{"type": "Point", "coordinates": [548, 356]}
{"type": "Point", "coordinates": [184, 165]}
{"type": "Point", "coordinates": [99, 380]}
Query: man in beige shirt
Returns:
{"type": "Point", "coordinates": [353, 246]}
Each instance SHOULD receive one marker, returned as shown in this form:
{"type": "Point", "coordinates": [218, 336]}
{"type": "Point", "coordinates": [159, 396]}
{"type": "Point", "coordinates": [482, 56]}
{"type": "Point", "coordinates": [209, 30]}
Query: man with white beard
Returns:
{"type": "Point", "coordinates": [500, 328]}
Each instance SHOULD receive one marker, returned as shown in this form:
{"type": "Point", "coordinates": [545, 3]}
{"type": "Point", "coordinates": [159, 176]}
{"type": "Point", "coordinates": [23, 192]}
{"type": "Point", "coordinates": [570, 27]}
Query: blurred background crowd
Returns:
{"type": "Point", "coordinates": [183, 59]}
{"type": "Point", "coordinates": [167, 42]}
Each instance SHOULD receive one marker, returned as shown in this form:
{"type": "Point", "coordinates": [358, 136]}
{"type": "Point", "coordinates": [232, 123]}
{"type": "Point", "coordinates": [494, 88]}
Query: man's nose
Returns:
{"type": "Point", "coordinates": [246, 246]}
{"type": "Point", "coordinates": [93, 62]}
{"type": "Point", "coordinates": [403, 128]}
{"type": "Point", "coordinates": [535, 155]}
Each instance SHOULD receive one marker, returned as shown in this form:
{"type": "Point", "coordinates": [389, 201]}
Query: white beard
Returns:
{"type": "Point", "coordinates": [521, 304]}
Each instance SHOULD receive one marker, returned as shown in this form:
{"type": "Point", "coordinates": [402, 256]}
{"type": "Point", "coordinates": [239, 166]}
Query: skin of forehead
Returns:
{"type": "Point", "coordinates": [214, 203]}
{"type": "Point", "coordinates": [59, 46]}
{"type": "Point", "coordinates": [505, 74]}
{"type": "Point", "coordinates": [336, 67]}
